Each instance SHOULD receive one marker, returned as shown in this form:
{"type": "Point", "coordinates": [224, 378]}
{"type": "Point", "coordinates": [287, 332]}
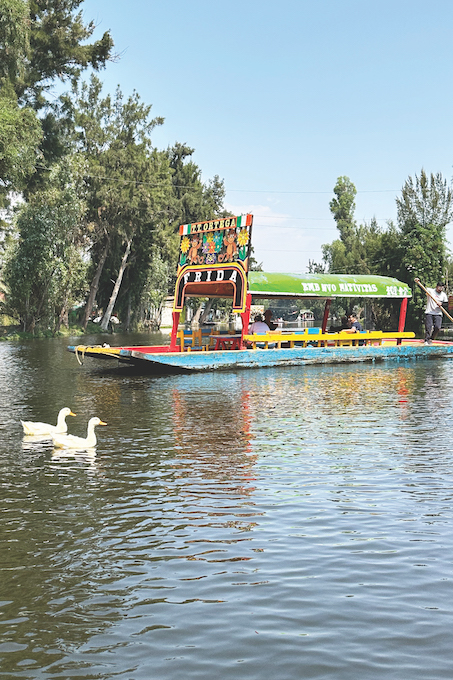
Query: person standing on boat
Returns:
{"type": "Point", "coordinates": [433, 311]}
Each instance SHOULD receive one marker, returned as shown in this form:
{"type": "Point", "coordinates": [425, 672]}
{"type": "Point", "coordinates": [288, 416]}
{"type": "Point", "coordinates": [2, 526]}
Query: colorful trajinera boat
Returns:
{"type": "Point", "coordinates": [213, 263]}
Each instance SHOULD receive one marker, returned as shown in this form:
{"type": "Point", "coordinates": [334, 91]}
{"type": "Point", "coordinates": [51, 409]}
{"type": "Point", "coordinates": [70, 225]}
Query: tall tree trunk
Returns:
{"type": "Point", "coordinates": [95, 285]}
{"type": "Point", "coordinates": [202, 312]}
{"type": "Point", "coordinates": [63, 312]}
{"type": "Point", "coordinates": [128, 315]}
{"type": "Point", "coordinates": [196, 317]}
{"type": "Point", "coordinates": [206, 311]}
{"type": "Point", "coordinates": [116, 288]}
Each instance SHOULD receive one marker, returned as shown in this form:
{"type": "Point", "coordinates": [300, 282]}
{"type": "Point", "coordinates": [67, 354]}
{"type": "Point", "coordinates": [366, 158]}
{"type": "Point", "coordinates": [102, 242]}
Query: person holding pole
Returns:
{"type": "Point", "coordinates": [435, 297]}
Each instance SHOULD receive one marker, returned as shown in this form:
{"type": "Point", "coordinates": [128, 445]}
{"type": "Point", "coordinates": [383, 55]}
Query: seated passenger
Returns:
{"type": "Point", "coordinates": [267, 319]}
{"type": "Point", "coordinates": [354, 326]}
{"type": "Point", "coordinates": [258, 326]}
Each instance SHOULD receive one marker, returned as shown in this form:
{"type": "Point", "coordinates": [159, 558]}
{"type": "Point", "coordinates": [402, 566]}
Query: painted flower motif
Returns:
{"type": "Point", "coordinates": [211, 258]}
{"type": "Point", "coordinates": [243, 237]}
{"type": "Point", "coordinates": [208, 244]}
{"type": "Point", "coordinates": [185, 244]}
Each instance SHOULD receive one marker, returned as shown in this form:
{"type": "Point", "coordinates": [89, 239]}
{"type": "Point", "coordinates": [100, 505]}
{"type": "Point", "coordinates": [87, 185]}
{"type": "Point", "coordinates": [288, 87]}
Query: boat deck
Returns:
{"type": "Point", "coordinates": [159, 360]}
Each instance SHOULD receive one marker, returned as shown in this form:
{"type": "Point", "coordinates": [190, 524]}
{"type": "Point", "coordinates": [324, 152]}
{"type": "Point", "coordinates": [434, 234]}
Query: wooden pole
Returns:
{"type": "Point", "coordinates": [417, 281]}
{"type": "Point", "coordinates": [326, 315]}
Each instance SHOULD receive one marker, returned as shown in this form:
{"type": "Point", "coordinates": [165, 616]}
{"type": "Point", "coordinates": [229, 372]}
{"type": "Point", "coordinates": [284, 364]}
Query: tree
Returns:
{"type": "Point", "coordinates": [20, 130]}
{"type": "Point", "coordinates": [342, 208]}
{"type": "Point", "coordinates": [44, 269]}
{"type": "Point", "coordinates": [20, 135]}
{"type": "Point", "coordinates": [58, 48]}
{"type": "Point", "coordinates": [424, 210]}
{"type": "Point", "coordinates": [154, 292]}
{"type": "Point", "coordinates": [361, 249]}
{"type": "Point", "coordinates": [415, 247]}
{"type": "Point", "coordinates": [193, 201]}
{"type": "Point", "coordinates": [346, 254]}
{"type": "Point", "coordinates": [129, 187]}
{"type": "Point", "coordinates": [40, 41]}
{"type": "Point", "coordinates": [14, 40]}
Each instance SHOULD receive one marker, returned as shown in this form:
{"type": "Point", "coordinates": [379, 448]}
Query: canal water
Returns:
{"type": "Point", "coordinates": [270, 524]}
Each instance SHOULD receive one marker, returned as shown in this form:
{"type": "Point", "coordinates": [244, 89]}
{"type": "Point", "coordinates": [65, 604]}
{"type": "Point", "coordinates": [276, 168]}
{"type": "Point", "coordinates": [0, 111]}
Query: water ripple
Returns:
{"type": "Point", "coordinates": [280, 523]}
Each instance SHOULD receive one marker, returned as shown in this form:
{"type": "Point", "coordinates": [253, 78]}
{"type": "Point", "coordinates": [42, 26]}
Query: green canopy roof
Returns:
{"type": "Point", "coordinates": [270, 285]}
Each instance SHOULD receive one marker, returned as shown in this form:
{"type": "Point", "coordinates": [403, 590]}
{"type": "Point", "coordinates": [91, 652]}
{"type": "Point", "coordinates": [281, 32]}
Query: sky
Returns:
{"type": "Point", "coordinates": [279, 98]}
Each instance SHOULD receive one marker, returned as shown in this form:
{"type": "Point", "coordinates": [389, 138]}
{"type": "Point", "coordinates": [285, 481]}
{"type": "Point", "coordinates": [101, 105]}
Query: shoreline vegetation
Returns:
{"type": "Point", "coordinates": [90, 208]}
{"type": "Point", "coordinates": [12, 332]}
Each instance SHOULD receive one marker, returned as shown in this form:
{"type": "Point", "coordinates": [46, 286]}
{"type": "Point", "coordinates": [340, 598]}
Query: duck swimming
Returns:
{"type": "Point", "coordinates": [69, 441]}
{"type": "Point", "coordinates": [42, 429]}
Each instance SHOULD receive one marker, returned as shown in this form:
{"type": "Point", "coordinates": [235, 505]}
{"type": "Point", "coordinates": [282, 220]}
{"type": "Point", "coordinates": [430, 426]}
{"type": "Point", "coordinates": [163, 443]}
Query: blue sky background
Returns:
{"type": "Point", "coordinates": [279, 98]}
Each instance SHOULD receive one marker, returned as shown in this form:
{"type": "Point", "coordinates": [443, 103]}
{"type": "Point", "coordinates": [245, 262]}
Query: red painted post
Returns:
{"type": "Point", "coordinates": [402, 319]}
{"type": "Point", "coordinates": [174, 331]}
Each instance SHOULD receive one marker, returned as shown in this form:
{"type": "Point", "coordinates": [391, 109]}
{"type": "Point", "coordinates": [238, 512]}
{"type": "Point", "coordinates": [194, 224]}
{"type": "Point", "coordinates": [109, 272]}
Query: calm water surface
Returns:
{"type": "Point", "coordinates": [271, 524]}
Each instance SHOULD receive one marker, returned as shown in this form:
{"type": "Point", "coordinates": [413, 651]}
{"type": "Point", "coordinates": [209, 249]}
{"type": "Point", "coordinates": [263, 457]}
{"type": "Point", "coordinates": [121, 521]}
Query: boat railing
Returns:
{"type": "Point", "coordinates": [204, 339]}
{"type": "Point", "coordinates": [318, 339]}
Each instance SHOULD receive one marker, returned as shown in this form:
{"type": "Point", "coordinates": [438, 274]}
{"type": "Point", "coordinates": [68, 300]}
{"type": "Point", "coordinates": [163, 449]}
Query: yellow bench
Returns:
{"type": "Point", "coordinates": [340, 339]}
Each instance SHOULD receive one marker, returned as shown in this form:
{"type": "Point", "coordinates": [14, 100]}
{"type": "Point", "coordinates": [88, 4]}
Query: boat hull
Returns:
{"type": "Point", "coordinates": [188, 362]}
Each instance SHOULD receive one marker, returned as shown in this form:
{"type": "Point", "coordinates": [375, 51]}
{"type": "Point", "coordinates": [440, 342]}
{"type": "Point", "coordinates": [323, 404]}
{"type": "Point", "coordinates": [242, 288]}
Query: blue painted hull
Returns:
{"type": "Point", "coordinates": [297, 356]}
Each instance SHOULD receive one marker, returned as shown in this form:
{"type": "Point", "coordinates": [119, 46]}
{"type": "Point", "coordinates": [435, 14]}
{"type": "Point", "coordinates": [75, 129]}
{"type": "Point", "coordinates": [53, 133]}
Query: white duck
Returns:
{"type": "Point", "coordinates": [42, 429]}
{"type": "Point", "coordinates": [68, 441]}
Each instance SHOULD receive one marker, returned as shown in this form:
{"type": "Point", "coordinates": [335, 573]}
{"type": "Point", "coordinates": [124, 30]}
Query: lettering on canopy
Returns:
{"type": "Point", "coordinates": [217, 281]}
{"type": "Point", "coordinates": [313, 287]}
{"type": "Point", "coordinates": [216, 241]}
{"type": "Point", "coordinates": [357, 288]}
{"type": "Point", "coordinates": [397, 291]}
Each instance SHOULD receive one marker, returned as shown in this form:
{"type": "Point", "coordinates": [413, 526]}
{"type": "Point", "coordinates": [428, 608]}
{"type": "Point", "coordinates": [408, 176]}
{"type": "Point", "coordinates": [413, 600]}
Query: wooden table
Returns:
{"type": "Point", "coordinates": [227, 341]}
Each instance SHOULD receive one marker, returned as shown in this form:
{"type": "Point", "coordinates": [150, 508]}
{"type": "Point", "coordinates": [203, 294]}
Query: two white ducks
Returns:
{"type": "Point", "coordinates": [43, 429]}
{"type": "Point", "coordinates": [69, 441]}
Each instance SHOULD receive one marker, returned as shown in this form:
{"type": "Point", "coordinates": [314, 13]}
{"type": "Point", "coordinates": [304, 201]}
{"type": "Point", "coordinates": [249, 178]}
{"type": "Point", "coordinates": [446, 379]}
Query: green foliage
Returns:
{"type": "Point", "coordinates": [20, 130]}
{"type": "Point", "coordinates": [342, 208]}
{"type": "Point", "coordinates": [130, 188]}
{"type": "Point", "coordinates": [58, 48]}
{"type": "Point", "coordinates": [20, 135]}
{"type": "Point", "coordinates": [415, 248]}
{"type": "Point", "coordinates": [40, 41]}
{"type": "Point", "coordinates": [154, 292]}
{"type": "Point", "coordinates": [45, 270]}
{"type": "Point", "coordinates": [129, 198]}
{"type": "Point", "coordinates": [424, 210]}
{"type": "Point", "coordinates": [193, 201]}
{"type": "Point", "coordinates": [14, 40]}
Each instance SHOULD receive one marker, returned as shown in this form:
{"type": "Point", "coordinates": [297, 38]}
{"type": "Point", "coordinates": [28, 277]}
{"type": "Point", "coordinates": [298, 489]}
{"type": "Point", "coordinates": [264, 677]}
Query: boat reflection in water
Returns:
{"type": "Point", "coordinates": [214, 466]}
